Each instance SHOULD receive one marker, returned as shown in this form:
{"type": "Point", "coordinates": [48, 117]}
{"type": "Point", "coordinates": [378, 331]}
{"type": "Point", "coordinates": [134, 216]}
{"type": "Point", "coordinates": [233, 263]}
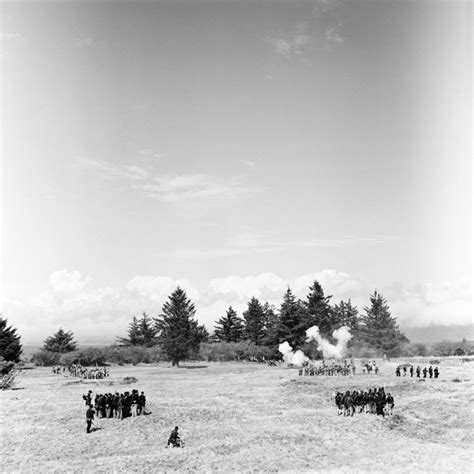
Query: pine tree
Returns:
{"type": "Point", "coordinates": [319, 311]}
{"type": "Point", "coordinates": [229, 328]}
{"type": "Point", "coordinates": [254, 318]}
{"type": "Point", "coordinates": [147, 331]}
{"type": "Point", "coordinates": [379, 328]}
{"type": "Point", "coordinates": [344, 314]}
{"type": "Point", "coordinates": [272, 322]}
{"type": "Point", "coordinates": [293, 321]}
{"type": "Point", "coordinates": [141, 332]}
{"type": "Point", "coordinates": [10, 347]}
{"type": "Point", "coordinates": [61, 342]}
{"type": "Point", "coordinates": [178, 332]}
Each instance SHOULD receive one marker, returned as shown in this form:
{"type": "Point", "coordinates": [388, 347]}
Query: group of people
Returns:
{"type": "Point", "coordinates": [118, 405]}
{"type": "Point", "coordinates": [418, 371]}
{"type": "Point", "coordinates": [77, 370]}
{"type": "Point", "coordinates": [57, 369]}
{"type": "Point", "coordinates": [370, 367]}
{"type": "Point", "coordinates": [121, 406]}
{"type": "Point", "coordinates": [374, 401]}
{"type": "Point", "coordinates": [328, 369]}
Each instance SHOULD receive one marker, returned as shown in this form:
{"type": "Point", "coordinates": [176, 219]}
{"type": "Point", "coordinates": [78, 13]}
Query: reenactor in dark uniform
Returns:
{"type": "Point", "coordinates": [174, 440]}
{"type": "Point", "coordinates": [87, 398]}
{"type": "Point", "coordinates": [390, 404]}
{"type": "Point", "coordinates": [411, 371]}
{"type": "Point", "coordinates": [397, 371]}
{"type": "Point", "coordinates": [418, 371]}
{"type": "Point", "coordinates": [430, 371]}
{"type": "Point", "coordinates": [142, 403]}
{"type": "Point", "coordinates": [89, 418]}
{"type": "Point", "coordinates": [405, 371]}
{"type": "Point", "coordinates": [436, 372]}
{"type": "Point", "coordinates": [424, 372]}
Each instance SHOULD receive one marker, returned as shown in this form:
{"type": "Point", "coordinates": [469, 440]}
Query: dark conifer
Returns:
{"type": "Point", "coordinates": [229, 328]}
{"type": "Point", "coordinates": [10, 347]}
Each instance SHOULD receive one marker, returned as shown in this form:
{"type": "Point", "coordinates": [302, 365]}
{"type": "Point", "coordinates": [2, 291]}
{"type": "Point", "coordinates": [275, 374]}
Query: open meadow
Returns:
{"type": "Point", "coordinates": [240, 417]}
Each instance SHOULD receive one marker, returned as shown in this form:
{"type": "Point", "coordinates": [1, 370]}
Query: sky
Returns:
{"type": "Point", "coordinates": [233, 148]}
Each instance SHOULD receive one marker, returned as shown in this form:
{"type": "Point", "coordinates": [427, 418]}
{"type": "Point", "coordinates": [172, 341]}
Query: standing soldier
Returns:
{"type": "Point", "coordinates": [436, 372]}
{"type": "Point", "coordinates": [418, 371]}
{"type": "Point", "coordinates": [411, 371]}
{"type": "Point", "coordinates": [430, 371]}
{"type": "Point", "coordinates": [89, 418]}
{"type": "Point", "coordinates": [424, 372]}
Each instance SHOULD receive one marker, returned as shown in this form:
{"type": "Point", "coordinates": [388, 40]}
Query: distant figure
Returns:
{"type": "Point", "coordinates": [424, 372]}
{"type": "Point", "coordinates": [390, 404]}
{"type": "Point", "coordinates": [405, 371]}
{"type": "Point", "coordinates": [430, 371]}
{"type": "Point", "coordinates": [418, 371]}
{"type": "Point", "coordinates": [174, 440]}
{"type": "Point", "coordinates": [397, 371]}
{"type": "Point", "coordinates": [436, 372]}
{"type": "Point", "coordinates": [89, 418]}
{"type": "Point", "coordinates": [411, 371]}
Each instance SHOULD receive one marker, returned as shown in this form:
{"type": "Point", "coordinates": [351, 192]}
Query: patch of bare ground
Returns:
{"type": "Point", "coordinates": [239, 417]}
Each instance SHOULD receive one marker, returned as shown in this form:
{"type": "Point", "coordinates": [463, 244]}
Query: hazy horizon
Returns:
{"type": "Point", "coordinates": [234, 148]}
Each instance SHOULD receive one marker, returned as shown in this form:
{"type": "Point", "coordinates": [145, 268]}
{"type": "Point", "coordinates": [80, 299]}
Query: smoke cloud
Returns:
{"type": "Point", "coordinates": [291, 357]}
{"type": "Point", "coordinates": [330, 351]}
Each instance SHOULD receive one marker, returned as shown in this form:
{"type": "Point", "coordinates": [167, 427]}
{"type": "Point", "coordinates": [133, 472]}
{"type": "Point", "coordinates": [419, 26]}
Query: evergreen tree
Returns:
{"type": "Point", "coordinates": [10, 347]}
{"type": "Point", "coordinates": [178, 331]}
{"type": "Point", "coordinates": [272, 322]}
{"type": "Point", "coordinates": [229, 328]}
{"type": "Point", "coordinates": [293, 321]}
{"type": "Point", "coordinates": [379, 328]}
{"type": "Point", "coordinates": [147, 331]}
{"type": "Point", "coordinates": [344, 314]}
{"type": "Point", "coordinates": [61, 342]}
{"type": "Point", "coordinates": [254, 318]}
{"type": "Point", "coordinates": [319, 311]}
{"type": "Point", "coordinates": [141, 332]}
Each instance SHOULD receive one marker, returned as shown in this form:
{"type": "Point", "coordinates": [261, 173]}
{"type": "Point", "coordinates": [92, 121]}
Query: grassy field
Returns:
{"type": "Point", "coordinates": [239, 417]}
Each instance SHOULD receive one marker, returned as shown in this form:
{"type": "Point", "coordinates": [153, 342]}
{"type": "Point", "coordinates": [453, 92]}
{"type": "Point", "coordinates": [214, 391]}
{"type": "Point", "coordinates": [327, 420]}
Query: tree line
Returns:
{"type": "Point", "coordinates": [176, 335]}
{"type": "Point", "coordinates": [263, 325]}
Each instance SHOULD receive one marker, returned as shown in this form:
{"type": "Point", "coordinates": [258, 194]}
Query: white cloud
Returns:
{"type": "Point", "coordinates": [265, 285]}
{"type": "Point", "coordinates": [158, 288]}
{"type": "Point", "coordinates": [174, 188]}
{"type": "Point", "coordinates": [111, 170]}
{"type": "Point", "coordinates": [170, 187]}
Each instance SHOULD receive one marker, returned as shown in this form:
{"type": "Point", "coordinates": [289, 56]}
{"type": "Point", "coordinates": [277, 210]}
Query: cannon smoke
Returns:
{"type": "Point", "coordinates": [330, 351]}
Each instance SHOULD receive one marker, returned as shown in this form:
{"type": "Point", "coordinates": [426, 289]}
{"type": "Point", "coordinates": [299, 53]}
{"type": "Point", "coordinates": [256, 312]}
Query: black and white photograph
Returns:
{"type": "Point", "coordinates": [236, 236]}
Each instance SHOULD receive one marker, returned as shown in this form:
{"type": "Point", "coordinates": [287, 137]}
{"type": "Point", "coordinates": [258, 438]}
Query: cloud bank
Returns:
{"type": "Point", "coordinates": [100, 313]}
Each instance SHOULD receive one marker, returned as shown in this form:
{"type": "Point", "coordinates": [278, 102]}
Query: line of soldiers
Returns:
{"type": "Point", "coordinates": [374, 401]}
{"type": "Point", "coordinates": [57, 369]}
{"type": "Point", "coordinates": [77, 370]}
{"type": "Point", "coordinates": [426, 371]}
{"type": "Point", "coordinates": [328, 369]}
{"type": "Point", "coordinates": [118, 405]}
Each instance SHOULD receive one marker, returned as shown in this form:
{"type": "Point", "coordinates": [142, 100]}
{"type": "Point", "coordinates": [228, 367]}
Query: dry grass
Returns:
{"type": "Point", "coordinates": [239, 417]}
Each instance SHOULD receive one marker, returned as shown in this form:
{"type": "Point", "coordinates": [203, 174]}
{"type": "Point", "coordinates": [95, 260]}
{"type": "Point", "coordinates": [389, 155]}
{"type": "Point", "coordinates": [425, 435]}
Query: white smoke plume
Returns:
{"type": "Point", "coordinates": [330, 351]}
{"type": "Point", "coordinates": [290, 357]}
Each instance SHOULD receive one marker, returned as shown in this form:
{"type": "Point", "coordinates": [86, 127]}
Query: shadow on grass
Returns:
{"type": "Point", "coordinates": [193, 367]}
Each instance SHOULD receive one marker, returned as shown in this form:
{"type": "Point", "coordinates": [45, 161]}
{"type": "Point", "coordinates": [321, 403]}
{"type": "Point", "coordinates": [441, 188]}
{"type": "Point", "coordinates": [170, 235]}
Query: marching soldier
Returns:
{"type": "Point", "coordinates": [89, 418]}
{"type": "Point", "coordinates": [436, 372]}
{"type": "Point", "coordinates": [430, 371]}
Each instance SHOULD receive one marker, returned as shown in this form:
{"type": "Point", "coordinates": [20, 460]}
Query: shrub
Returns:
{"type": "Point", "coordinates": [46, 358]}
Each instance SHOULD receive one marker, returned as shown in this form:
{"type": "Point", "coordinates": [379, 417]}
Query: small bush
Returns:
{"type": "Point", "coordinates": [46, 358]}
